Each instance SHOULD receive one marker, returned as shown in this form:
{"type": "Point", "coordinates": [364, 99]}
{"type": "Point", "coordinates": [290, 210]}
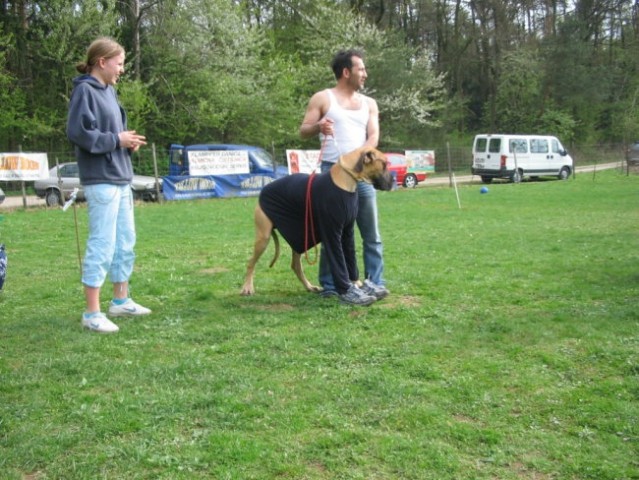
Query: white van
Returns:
{"type": "Point", "coordinates": [517, 156]}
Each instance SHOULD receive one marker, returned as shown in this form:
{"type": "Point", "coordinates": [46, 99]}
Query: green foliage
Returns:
{"type": "Point", "coordinates": [624, 100]}
{"type": "Point", "coordinates": [42, 53]}
{"type": "Point", "coordinates": [412, 105]}
{"type": "Point", "coordinates": [243, 71]}
{"type": "Point", "coordinates": [628, 120]}
{"type": "Point", "coordinates": [518, 103]}
{"type": "Point", "coordinates": [216, 85]}
{"type": "Point", "coordinates": [18, 125]}
{"type": "Point", "coordinates": [577, 78]}
{"type": "Point", "coordinates": [13, 103]}
{"type": "Point", "coordinates": [136, 99]}
{"type": "Point", "coordinates": [560, 124]}
{"type": "Point", "coordinates": [506, 350]}
{"type": "Point", "coordinates": [409, 103]}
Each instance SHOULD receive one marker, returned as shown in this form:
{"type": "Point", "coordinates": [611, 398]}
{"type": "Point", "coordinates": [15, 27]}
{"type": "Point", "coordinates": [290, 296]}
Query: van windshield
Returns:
{"type": "Point", "coordinates": [263, 159]}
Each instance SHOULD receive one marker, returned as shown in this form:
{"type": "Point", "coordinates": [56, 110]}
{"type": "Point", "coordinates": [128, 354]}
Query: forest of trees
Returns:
{"type": "Point", "coordinates": [242, 71]}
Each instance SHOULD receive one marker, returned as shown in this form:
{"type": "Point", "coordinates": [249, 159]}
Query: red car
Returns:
{"type": "Point", "coordinates": [404, 175]}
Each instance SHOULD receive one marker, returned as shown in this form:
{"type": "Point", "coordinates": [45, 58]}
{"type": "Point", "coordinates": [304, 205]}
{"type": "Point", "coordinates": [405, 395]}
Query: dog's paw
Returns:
{"type": "Point", "coordinates": [247, 291]}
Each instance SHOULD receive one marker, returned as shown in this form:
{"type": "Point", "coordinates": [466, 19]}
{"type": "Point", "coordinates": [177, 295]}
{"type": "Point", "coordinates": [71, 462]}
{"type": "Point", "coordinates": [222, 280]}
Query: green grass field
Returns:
{"type": "Point", "coordinates": [508, 349]}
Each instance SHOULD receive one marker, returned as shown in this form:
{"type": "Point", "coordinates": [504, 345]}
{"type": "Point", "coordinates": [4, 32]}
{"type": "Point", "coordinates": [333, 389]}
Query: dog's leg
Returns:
{"type": "Point", "coordinates": [296, 265]}
{"type": "Point", "coordinates": [263, 230]}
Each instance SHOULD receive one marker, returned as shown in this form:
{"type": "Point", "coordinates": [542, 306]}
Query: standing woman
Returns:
{"type": "Point", "coordinates": [97, 128]}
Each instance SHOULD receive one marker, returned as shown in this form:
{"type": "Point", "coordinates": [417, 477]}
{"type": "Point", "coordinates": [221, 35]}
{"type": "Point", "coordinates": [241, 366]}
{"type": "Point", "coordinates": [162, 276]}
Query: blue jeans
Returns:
{"type": "Point", "coordinates": [368, 225]}
{"type": "Point", "coordinates": [111, 234]}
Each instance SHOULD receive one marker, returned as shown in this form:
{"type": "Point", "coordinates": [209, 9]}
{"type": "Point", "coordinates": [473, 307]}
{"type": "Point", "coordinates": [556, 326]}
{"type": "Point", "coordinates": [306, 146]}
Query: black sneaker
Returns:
{"type": "Point", "coordinates": [355, 296]}
{"type": "Point", "coordinates": [327, 293]}
{"type": "Point", "coordinates": [377, 291]}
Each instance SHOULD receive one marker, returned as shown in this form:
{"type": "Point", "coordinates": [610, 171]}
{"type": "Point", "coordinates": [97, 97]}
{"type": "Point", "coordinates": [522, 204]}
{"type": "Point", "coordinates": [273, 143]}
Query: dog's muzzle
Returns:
{"type": "Point", "coordinates": [383, 182]}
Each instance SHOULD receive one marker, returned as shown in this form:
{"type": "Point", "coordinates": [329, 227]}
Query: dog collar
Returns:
{"type": "Point", "coordinates": [351, 174]}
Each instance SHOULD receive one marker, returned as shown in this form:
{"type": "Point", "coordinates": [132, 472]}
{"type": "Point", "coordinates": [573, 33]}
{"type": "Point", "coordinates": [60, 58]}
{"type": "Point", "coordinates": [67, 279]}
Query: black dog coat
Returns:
{"type": "Point", "coordinates": [334, 213]}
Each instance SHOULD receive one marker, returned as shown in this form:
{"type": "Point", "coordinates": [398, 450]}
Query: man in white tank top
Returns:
{"type": "Point", "coordinates": [345, 120]}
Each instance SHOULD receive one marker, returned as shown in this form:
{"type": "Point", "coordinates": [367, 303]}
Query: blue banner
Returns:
{"type": "Point", "coordinates": [214, 186]}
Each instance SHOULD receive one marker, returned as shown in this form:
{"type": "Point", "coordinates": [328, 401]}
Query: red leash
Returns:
{"type": "Point", "coordinates": [308, 217]}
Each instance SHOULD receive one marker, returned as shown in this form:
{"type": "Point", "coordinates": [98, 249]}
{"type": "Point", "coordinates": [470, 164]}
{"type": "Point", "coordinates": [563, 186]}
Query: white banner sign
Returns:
{"type": "Point", "coordinates": [211, 162]}
{"type": "Point", "coordinates": [23, 166]}
{"type": "Point", "coordinates": [303, 161]}
{"type": "Point", "coordinates": [421, 160]}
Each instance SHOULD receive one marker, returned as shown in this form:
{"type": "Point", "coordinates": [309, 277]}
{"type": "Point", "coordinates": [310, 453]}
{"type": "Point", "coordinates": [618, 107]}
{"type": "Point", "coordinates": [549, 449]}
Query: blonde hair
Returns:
{"type": "Point", "coordinates": [103, 47]}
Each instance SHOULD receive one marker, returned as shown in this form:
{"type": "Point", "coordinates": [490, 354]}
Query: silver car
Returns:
{"type": "Point", "coordinates": [633, 154]}
{"type": "Point", "coordinates": [64, 178]}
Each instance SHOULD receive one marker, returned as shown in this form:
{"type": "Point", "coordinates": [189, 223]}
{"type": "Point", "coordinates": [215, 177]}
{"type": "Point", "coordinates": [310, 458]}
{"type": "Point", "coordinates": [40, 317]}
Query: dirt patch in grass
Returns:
{"type": "Point", "coordinates": [214, 270]}
{"type": "Point", "coordinates": [279, 307]}
{"type": "Point", "coordinates": [394, 301]}
{"type": "Point", "coordinates": [523, 472]}
{"type": "Point", "coordinates": [464, 419]}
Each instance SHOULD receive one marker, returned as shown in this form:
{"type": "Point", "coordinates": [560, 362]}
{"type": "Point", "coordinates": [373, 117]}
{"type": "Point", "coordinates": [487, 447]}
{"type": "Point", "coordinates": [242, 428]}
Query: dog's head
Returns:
{"type": "Point", "coordinates": [372, 166]}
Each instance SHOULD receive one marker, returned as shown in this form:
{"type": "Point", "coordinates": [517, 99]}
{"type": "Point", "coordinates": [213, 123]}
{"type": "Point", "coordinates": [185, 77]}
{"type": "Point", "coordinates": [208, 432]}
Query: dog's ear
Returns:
{"type": "Point", "coordinates": [371, 155]}
{"type": "Point", "coordinates": [359, 166]}
{"type": "Point", "coordinates": [367, 156]}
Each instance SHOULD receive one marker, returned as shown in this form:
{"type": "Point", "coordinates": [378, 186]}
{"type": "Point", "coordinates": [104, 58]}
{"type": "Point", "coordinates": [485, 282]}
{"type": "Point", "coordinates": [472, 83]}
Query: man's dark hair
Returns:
{"type": "Point", "coordinates": [344, 59]}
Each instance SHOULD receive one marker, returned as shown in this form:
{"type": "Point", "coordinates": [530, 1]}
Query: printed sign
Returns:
{"type": "Point", "coordinates": [303, 161]}
{"type": "Point", "coordinates": [420, 160]}
{"type": "Point", "coordinates": [23, 166]}
{"type": "Point", "coordinates": [220, 162]}
{"type": "Point", "coordinates": [192, 188]}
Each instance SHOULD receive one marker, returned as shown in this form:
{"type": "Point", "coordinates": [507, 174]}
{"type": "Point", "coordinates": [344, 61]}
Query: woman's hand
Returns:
{"type": "Point", "coordinates": [131, 140]}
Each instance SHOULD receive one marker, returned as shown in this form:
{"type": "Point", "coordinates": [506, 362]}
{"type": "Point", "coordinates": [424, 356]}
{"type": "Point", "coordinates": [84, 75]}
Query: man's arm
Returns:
{"type": "Point", "coordinates": [314, 121]}
{"type": "Point", "coordinates": [372, 129]}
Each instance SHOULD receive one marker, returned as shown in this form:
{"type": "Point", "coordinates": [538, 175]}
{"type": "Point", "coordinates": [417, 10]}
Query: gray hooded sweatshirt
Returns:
{"type": "Point", "coordinates": [94, 122]}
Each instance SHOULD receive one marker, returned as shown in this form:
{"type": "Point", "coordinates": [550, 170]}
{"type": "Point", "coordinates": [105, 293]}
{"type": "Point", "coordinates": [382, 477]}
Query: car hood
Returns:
{"type": "Point", "coordinates": [145, 179]}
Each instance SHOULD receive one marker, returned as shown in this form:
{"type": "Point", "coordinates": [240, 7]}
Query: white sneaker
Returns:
{"type": "Point", "coordinates": [377, 291]}
{"type": "Point", "coordinates": [127, 308]}
{"type": "Point", "coordinates": [98, 322]}
{"type": "Point", "coordinates": [355, 296]}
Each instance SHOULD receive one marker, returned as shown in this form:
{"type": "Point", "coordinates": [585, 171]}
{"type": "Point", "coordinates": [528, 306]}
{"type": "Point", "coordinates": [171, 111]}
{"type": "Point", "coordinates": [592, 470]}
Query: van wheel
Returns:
{"type": "Point", "coordinates": [564, 173]}
{"type": "Point", "coordinates": [516, 176]}
{"type": "Point", "coordinates": [486, 179]}
{"type": "Point", "coordinates": [410, 181]}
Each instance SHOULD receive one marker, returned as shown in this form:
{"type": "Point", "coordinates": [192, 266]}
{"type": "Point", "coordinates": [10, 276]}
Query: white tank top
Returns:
{"type": "Point", "coordinates": [349, 126]}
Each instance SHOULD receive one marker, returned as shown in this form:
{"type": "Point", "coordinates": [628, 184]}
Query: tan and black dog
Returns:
{"type": "Point", "coordinates": [330, 217]}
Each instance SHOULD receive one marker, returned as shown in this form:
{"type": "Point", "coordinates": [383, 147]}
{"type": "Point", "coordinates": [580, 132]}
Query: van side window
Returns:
{"type": "Point", "coordinates": [538, 145]}
{"type": "Point", "coordinates": [480, 145]}
{"type": "Point", "coordinates": [494, 146]}
{"type": "Point", "coordinates": [518, 145]}
{"type": "Point", "coordinates": [556, 148]}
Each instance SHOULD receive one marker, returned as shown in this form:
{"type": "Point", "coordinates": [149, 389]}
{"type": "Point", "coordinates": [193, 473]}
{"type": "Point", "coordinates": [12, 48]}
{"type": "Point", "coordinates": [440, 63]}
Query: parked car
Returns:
{"type": "Point", "coordinates": [398, 166]}
{"type": "Point", "coordinates": [633, 153]}
{"type": "Point", "coordinates": [59, 187]}
{"type": "Point", "coordinates": [1, 196]}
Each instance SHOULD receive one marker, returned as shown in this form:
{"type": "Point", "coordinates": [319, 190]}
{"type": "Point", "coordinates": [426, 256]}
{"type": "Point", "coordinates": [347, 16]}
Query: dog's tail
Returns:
{"type": "Point", "coordinates": [276, 241]}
